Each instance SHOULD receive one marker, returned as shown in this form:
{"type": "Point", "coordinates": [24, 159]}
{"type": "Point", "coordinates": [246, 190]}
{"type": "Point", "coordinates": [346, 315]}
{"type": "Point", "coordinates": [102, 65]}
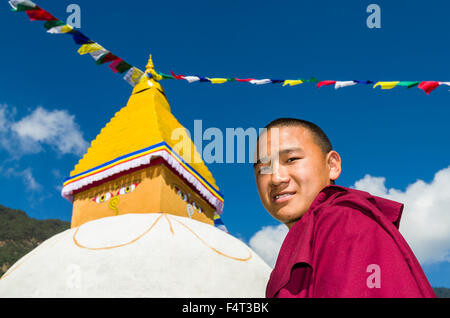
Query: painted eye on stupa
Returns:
{"type": "Point", "coordinates": [103, 197]}
{"type": "Point", "coordinates": [182, 195]}
{"type": "Point", "coordinates": [196, 207]}
{"type": "Point", "coordinates": [128, 189]}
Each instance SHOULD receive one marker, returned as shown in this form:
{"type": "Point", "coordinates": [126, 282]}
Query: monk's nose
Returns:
{"type": "Point", "coordinates": [279, 174]}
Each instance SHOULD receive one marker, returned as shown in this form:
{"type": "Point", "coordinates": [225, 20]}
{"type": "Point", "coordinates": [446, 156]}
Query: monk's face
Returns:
{"type": "Point", "coordinates": [291, 170]}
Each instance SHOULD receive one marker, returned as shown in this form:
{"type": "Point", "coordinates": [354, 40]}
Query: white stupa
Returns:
{"type": "Point", "coordinates": [146, 219]}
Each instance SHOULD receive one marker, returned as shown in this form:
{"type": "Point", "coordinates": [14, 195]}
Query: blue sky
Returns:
{"type": "Point", "coordinates": [400, 135]}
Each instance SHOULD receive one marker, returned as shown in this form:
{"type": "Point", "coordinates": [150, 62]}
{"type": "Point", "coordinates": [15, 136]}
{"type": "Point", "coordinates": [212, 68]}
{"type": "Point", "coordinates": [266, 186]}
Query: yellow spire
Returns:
{"type": "Point", "coordinates": [150, 79]}
{"type": "Point", "coordinates": [150, 68]}
{"type": "Point", "coordinates": [146, 120]}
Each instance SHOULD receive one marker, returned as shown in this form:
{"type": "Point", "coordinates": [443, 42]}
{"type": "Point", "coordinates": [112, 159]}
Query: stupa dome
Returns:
{"type": "Point", "coordinates": [139, 255]}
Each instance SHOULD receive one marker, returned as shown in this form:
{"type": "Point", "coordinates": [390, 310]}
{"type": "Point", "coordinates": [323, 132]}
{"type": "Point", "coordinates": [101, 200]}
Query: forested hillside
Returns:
{"type": "Point", "coordinates": [19, 234]}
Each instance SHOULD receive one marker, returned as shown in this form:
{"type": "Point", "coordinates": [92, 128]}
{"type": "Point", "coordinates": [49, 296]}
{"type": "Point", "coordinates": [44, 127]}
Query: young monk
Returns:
{"type": "Point", "coordinates": [341, 242]}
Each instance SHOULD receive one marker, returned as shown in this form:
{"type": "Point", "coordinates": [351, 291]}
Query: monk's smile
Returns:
{"type": "Point", "coordinates": [283, 196]}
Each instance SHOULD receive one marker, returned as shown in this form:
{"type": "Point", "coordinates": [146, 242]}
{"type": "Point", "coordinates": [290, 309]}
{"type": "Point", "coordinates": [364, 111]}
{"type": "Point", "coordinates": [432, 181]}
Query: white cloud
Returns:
{"type": "Point", "coordinates": [425, 222]}
{"type": "Point", "coordinates": [26, 175]}
{"type": "Point", "coordinates": [29, 180]}
{"type": "Point", "coordinates": [267, 242]}
{"type": "Point", "coordinates": [28, 135]}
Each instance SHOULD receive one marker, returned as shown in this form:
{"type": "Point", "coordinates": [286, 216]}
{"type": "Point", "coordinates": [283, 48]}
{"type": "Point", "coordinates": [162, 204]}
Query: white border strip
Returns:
{"type": "Point", "coordinates": [68, 190]}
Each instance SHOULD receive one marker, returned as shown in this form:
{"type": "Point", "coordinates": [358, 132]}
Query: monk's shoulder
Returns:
{"type": "Point", "coordinates": [345, 214]}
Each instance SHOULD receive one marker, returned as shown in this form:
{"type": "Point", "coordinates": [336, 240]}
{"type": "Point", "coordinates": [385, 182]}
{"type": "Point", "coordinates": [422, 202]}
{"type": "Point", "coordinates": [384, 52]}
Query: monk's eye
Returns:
{"type": "Point", "coordinates": [128, 189]}
{"type": "Point", "coordinates": [265, 170]}
{"type": "Point", "coordinates": [292, 159]}
{"type": "Point", "coordinates": [103, 197]}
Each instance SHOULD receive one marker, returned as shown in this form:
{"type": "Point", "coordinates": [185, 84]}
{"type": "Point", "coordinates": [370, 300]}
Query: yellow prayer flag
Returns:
{"type": "Point", "coordinates": [60, 29]}
{"type": "Point", "coordinates": [292, 82]}
{"type": "Point", "coordinates": [90, 47]}
{"type": "Point", "coordinates": [217, 80]}
{"type": "Point", "coordinates": [136, 75]}
{"type": "Point", "coordinates": [66, 28]}
{"type": "Point", "coordinates": [386, 85]}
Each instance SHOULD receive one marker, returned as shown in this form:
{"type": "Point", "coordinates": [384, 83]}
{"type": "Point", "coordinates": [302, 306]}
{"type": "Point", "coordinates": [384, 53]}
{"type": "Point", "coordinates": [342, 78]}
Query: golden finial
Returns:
{"type": "Point", "coordinates": [150, 68]}
{"type": "Point", "coordinates": [150, 65]}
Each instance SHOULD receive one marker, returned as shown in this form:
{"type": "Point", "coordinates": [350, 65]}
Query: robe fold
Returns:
{"type": "Point", "coordinates": [348, 245]}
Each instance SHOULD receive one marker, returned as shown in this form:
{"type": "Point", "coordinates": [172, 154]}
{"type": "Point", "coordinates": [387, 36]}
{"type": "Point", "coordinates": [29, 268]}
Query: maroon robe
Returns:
{"type": "Point", "coordinates": [347, 245]}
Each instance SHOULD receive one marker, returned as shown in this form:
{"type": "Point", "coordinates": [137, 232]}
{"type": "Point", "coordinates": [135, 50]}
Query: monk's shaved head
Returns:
{"type": "Point", "coordinates": [320, 138]}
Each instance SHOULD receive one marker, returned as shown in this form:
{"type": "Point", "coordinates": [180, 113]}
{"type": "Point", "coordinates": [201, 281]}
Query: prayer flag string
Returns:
{"type": "Point", "coordinates": [133, 75]}
{"type": "Point", "coordinates": [100, 55]}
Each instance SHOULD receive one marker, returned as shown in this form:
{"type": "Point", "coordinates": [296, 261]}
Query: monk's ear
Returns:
{"type": "Point", "coordinates": [334, 164]}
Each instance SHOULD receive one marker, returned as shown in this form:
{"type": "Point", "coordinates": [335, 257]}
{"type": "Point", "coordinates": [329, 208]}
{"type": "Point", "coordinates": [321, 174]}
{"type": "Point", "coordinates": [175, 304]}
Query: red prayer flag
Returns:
{"type": "Point", "coordinates": [108, 58]}
{"type": "Point", "coordinates": [324, 83]}
{"type": "Point", "coordinates": [114, 64]}
{"type": "Point", "coordinates": [244, 79]}
{"type": "Point", "coordinates": [428, 86]}
{"type": "Point", "coordinates": [40, 15]}
{"type": "Point", "coordinates": [177, 76]}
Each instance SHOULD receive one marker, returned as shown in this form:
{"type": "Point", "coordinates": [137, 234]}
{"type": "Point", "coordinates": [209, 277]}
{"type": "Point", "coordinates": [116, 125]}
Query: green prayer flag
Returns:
{"type": "Point", "coordinates": [105, 58]}
{"type": "Point", "coordinates": [54, 23]}
{"type": "Point", "coordinates": [165, 76]}
{"type": "Point", "coordinates": [22, 5]}
{"type": "Point", "coordinates": [408, 84]}
{"type": "Point", "coordinates": [122, 67]}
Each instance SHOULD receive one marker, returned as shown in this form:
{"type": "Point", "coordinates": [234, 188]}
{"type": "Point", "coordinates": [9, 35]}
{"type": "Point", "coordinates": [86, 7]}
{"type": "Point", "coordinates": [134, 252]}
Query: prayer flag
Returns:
{"type": "Point", "coordinates": [364, 82]}
{"type": "Point", "coordinates": [90, 47]}
{"type": "Point", "coordinates": [192, 79]}
{"type": "Point", "coordinates": [428, 86]}
{"type": "Point", "coordinates": [122, 67]}
{"type": "Point", "coordinates": [96, 55]}
{"type": "Point", "coordinates": [261, 81]}
{"type": "Point", "coordinates": [292, 82]}
{"type": "Point", "coordinates": [53, 23]}
{"type": "Point", "coordinates": [176, 76]}
{"type": "Point", "coordinates": [165, 76]}
{"type": "Point", "coordinates": [218, 80]}
{"type": "Point", "coordinates": [312, 79]}
{"type": "Point", "coordinates": [203, 79]}
{"type": "Point", "coordinates": [386, 85]}
{"type": "Point", "coordinates": [445, 83]}
{"type": "Point", "coordinates": [38, 14]}
{"type": "Point", "coordinates": [79, 37]}
{"type": "Point", "coordinates": [219, 224]}
{"type": "Point", "coordinates": [60, 29]}
{"type": "Point", "coordinates": [244, 79]}
{"type": "Point", "coordinates": [325, 83]}
{"type": "Point", "coordinates": [408, 84]}
{"type": "Point", "coordinates": [340, 84]}
{"type": "Point", "coordinates": [108, 57]}
{"type": "Point", "coordinates": [114, 64]}
{"type": "Point", "coordinates": [133, 76]}
{"type": "Point", "coordinates": [22, 5]}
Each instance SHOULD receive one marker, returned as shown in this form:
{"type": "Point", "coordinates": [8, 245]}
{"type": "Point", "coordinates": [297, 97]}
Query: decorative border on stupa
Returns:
{"type": "Point", "coordinates": [140, 158]}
